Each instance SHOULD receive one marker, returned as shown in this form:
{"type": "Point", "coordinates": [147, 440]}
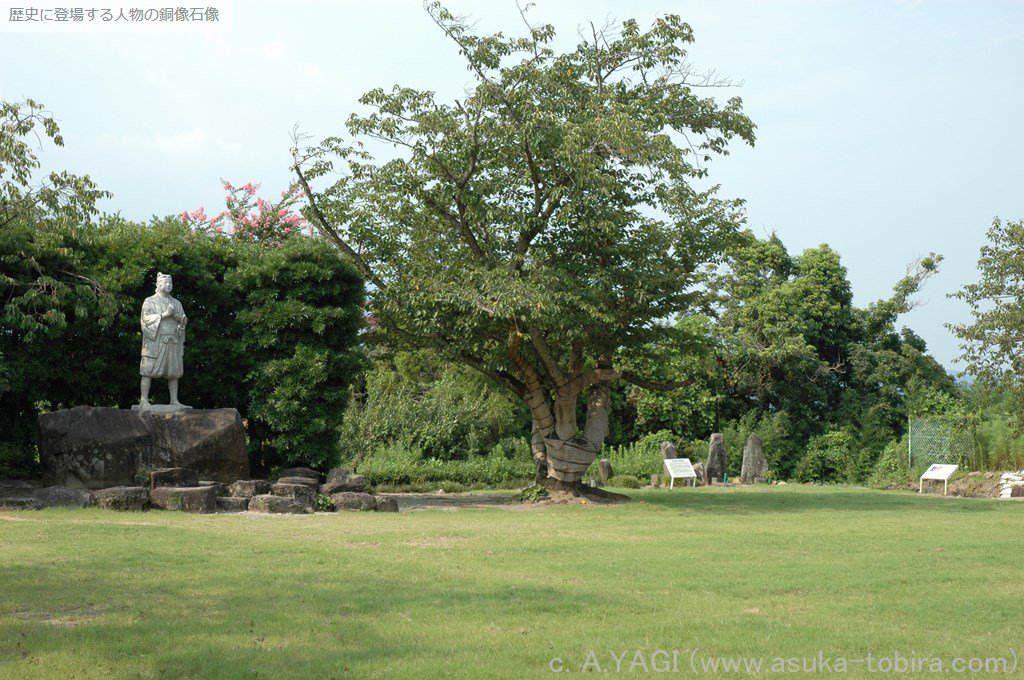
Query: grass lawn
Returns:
{"type": "Point", "coordinates": [799, 573]}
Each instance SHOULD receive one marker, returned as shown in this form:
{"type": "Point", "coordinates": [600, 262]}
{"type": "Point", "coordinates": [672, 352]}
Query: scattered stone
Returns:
{"type": "Point", "coordinates": [385, 504]}
{"type": "Point", "coordinates": [95, 448]}
{"type": "Point", "coordinates": [197, 499]}
{"type": "Point", "coordinates": [337, 473]}
{"type": "Point", "coordinates": [717, 459]}
{"type": "Point", "coordinates": [698, 469]}
{"type": "Point", "coordinates": [755, 467]}
{"type": "Point", "coordinates": [173, 477]}
{"type": "Point", "coordinates": [122, 498]}
{"type": "Point", "coordinates": [6, 484]}
{"type": "Point", "coordinates": [352, 500]}
{"type": "Point", "coordinates": [668, 451]}
{"type": "Point", "coordinates": [222, 489]}
{"type": "Point", "coordinates": [604, 468]}
{"type": "Point", "coordinates": [304, 481]}
{"type": "Point", "coordinates": [299, 492]}
{"type": "Point", "coordinates": [301, 472]}
{"type": "Point", "coordinates": [20, 503]}
{"type": "Point", "coordinates": [339, 484]}
{"type": "Point", "coordinates": [282, 505]}
{"type": "Point", "coordinates": [63, 497]}
{"type": "Point", "coordinates": [1017, 492]}
{"type": "Point", "coordinates": [247, 488]}
{"type": "Point", "coordinates": [232, 504]}
{"type": "Point", "coordinates": [655, 480]}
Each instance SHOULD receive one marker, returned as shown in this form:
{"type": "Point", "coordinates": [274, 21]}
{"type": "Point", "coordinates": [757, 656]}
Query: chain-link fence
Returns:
{"type": "Point", "coordinates": [942, 440]}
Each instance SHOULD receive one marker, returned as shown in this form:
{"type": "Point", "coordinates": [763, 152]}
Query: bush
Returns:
{"type": "Point", "coordinates": [624, 482]}
{"type": "Point", "coordinates": [829, 459]}
{"type": "Point", "coordinates": [891, 471]}
{"type": "Point", "coordinates": [443, 410]}
{"type": "Point", "coordinates": [404, 466]}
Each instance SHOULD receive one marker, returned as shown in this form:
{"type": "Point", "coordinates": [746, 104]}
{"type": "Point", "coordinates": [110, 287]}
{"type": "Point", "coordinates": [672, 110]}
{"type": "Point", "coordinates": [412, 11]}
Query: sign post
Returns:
{"type": "Point", "coordinates": [680, 468]}
{"type": "Point", "coordinates": [939, 473]}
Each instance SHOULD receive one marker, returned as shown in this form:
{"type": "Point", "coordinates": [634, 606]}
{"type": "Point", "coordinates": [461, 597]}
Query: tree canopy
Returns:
{"type": "Point", "coordinates": [545, 227]}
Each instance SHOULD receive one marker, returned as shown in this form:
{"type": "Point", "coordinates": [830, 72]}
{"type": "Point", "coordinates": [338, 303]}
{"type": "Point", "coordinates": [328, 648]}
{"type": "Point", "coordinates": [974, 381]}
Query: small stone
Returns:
{"type": "Point", "coordinates": [197, 499]}
{"type": "Point", "coordinates": [351, 500]}
{"type": "Point", "coordinates": [604, 468]}
{"type": "Point", "coordinates": [386, 504]}
{"type": "Point", "coordinates": [177, 476]}
{"type": "Point", "coordinates": [280, 505]}
{"type": "Point", "coordinates": [232, 504]}
{"type": "Point", "coordinates": [301, 472]}
{"type": "Point", "coordinates": [122, 498]}
{"type": "Point", "coordinates": [247, 488]}
{"type": "Point", "coordinates": [20, 503]}
{"type": "Point", "coordinates": [299, 492]}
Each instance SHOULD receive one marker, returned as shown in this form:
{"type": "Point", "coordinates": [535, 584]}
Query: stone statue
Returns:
{"type": "Point", "coordinates": [163, 341]}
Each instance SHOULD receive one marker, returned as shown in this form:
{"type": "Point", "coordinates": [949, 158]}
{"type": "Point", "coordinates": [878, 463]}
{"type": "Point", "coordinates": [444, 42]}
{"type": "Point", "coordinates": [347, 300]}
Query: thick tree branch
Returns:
{"type": "Point", "coordinates": [327, 228]}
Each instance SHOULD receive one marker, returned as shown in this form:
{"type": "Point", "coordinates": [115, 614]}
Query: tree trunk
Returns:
{"type": "Point", "coordinates": [569, 453]}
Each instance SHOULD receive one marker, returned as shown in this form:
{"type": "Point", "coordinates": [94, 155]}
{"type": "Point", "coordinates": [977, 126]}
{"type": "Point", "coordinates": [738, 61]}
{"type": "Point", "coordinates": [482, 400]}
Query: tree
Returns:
{"type": "Point", "coordinates": [993, 345]}
{"type": "Point", "coordinates": [542, 228]}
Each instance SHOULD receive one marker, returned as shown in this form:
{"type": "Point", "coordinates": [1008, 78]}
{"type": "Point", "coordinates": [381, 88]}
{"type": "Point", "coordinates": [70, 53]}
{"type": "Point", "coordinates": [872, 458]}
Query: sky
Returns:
{"type": "Point", "coordinates": [887, 129]}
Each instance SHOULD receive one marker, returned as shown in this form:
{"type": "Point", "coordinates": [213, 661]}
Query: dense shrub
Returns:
{"type": "Point", "coordinates": [272, 333]}
{"type": "Point", "coordinates": [400, 466]}
{"type": "Point", "coordinates": [829, 459]}
{"type": "Point", "coordinates": [892, 471]}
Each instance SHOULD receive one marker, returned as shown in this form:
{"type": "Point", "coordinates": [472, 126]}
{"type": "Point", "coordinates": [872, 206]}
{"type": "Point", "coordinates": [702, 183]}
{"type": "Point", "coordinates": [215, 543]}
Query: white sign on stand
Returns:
{"type": "Point", "coordinates": [680, 468]}
{"type": "Point", "coordinates": [939, 473]}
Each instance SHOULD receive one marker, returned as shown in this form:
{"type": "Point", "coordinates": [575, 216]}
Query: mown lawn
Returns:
{"type": "Point", "coordinates": [771, 572]}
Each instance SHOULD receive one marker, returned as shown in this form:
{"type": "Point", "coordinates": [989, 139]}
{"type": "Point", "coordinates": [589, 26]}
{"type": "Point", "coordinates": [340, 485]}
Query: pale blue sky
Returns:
{"type": "Point", "coordinates": [886, 129]}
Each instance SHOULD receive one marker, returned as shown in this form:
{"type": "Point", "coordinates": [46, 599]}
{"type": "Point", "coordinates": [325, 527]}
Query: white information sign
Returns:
{"type": "Point", "coordinates": [680, 468]}
{"type": "Point", "coordinates": [940, 473]}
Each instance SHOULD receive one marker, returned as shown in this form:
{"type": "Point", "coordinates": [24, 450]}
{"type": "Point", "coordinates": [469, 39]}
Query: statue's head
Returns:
{"type": "Point", "coordinates": [164, 283]}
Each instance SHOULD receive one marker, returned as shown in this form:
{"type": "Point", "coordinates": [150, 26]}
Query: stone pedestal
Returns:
{"type": "Point", "coordinates": [96, 448]}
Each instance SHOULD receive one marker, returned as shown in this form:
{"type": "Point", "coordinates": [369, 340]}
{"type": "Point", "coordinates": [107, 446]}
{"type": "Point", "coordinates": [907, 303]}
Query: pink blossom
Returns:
{"type": "Point", "coordinates": [184, 216]}
{"type": "Point", "coordinates": [249, 188]}
{"type": "Point", "coordinates": [227, 185]}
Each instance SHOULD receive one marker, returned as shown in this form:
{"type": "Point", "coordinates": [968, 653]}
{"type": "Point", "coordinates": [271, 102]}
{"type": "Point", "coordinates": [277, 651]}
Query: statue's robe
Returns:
{"type": "Point", "coordinates": [163, 340]}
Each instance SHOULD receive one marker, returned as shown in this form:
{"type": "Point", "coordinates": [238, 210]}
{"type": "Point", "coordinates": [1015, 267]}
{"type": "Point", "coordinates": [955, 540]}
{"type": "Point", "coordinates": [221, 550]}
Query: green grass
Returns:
{"type": "Point", "coordinates": [761, 572]}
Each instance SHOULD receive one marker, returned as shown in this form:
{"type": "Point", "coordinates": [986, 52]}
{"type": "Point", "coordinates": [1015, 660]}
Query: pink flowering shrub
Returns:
{"type": "Point", "coordinates": [251, 217]}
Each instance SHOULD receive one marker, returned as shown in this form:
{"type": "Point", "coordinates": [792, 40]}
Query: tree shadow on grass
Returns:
{"type": "Point", "coordinates": [760, 500]}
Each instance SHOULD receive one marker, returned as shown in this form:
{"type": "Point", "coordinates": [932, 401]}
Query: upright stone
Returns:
{"type": "Point", "coordinates": [605, 469]}
{"type": "Point", "coordinates": [755, 467]}
{"type": "Point", "coordinates": [717, 460]}
{"type": "Point", "coordinates": [668, 451]}
{"type": "Point", "coordinates": [123, 498]}
{"type": "Point", "coordinates": [197, 499]}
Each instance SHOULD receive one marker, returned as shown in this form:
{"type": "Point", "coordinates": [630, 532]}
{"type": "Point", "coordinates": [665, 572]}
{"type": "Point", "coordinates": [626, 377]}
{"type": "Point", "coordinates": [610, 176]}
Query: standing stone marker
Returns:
{"type": "Point", "coordinates": [668, 451]}
{"type": "Point", "coordinates": [717, 460]}
{"type": "Point", "coordinates": [605, 469]}
{"type": "Point", "coordinates": [755, 467]}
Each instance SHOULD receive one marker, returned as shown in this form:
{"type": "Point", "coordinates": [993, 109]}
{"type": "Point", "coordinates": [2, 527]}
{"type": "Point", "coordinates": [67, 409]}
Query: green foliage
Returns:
{"type": "Point", "coordinates": [624, 482]}
{"type": "Point", "coordinates": [271, 333]}
{"type": "Point", "coordinates": [993, 345]}
{"type": "Point", "coordinates": [323, 503]}
{"type": "Point", "coordinates": [416, 400]}
{"type": "Point", "coordinates": [892, 471]}
{"type": "Point", "coordinates": [399, 466]}
{"type": "Point", "coordinates": [829, 459]}
{"type": "Point", "coordinates": [543, 227]}
{"type": "Point", "coordinates": [532, 494]}
{"type": "Point", "coordinates": [640, 459]}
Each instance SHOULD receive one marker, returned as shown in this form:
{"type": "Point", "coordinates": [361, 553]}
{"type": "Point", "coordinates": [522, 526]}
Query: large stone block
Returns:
{"type": "Point", "coordinates": [299, 492]}
{"type": "Point", "coordinates": [198, 499]}
{"type": "Point", "coordinates": [339, 484]}
{"type": "Point", "coordinates": [306, 472]}
{"type": "Point", "coordinates": [755, 467]}
{"type": "Point", "coordinates": [278, 505]}
{"type": "Point", "coordinates": [247, 488]}
{"type": "Point", "coordinates": [122, 498]}
{"type": "Point", "coordinates": [304, 481]}
{"type": "Point", "coordinates": [717, 459]}
{"type": "Point", "coordinates": [350, 500]}
{"type": "Point", "coordinates": [95, 448]}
